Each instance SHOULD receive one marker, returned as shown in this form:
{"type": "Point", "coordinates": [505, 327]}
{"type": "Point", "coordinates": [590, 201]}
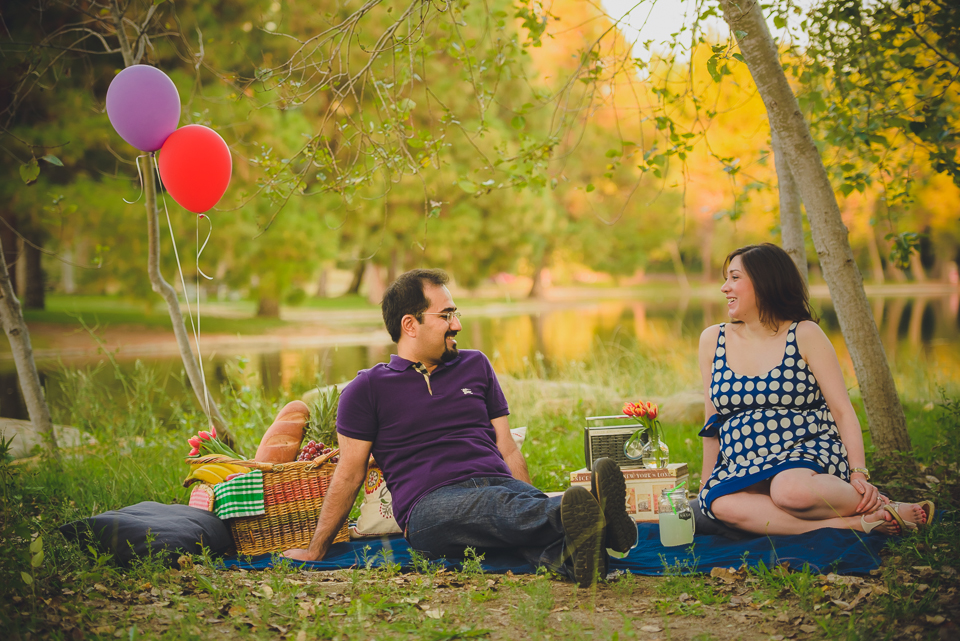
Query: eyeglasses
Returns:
{"type": "Point", "coordinates": [447, 316]}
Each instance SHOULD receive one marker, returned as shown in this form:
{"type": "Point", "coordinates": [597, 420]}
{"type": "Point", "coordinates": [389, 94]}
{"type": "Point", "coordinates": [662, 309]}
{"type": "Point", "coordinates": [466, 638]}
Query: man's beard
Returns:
{"type": "Point", "coordinates": [449, 353]}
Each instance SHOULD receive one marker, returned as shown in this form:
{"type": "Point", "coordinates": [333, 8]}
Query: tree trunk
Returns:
{"type": "Point", "coordinates": [11, 317]}
{"type": "Point", "coordinates": [10, 243]}
{"type": "Point", "coordinates": [916, 268]}
{"type": "Point", "coordinates": [157, 282]}
{"type": "Point", "coordinates": [357, 278]}
{"type": "Point", "coordinates": [887, 423]}
{"type": "Point", "coordinates": [876, 262]}
{"type": "Point", "coordinates": [537, 289]}
{"type": "Point", "coordinates": [375, 284]}
{"type": "Point", "coordinates": [791, 214]}
{"type": "Point", "coordinates": [268, 307]}
{"type": "Point", "coordinates": [674, 248]}
{"type": "Point", "coordinates": [322, 283]}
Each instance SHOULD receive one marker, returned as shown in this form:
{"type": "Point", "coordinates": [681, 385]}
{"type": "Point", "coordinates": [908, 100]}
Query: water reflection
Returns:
{"type": "Point", "coordinates": [921, 336]}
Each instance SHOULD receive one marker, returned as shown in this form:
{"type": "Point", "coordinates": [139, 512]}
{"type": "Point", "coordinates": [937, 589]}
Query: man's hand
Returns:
{"type": "Point", "coordinates": [346, 482]}
{"type": "Point", "coordinates": [299, 554]}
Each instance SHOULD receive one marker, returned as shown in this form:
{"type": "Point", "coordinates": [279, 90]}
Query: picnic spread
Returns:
{"type": "Point", "coordinates": [249, 510]}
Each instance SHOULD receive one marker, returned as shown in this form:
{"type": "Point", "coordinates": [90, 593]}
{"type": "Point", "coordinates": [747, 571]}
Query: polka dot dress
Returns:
{"type": "Point", "coordinates": [768, 424]}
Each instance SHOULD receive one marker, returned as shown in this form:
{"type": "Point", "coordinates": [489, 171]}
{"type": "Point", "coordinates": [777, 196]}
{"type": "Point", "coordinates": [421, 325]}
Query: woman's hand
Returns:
{"type": "Point", "coordinates": [871, 500]}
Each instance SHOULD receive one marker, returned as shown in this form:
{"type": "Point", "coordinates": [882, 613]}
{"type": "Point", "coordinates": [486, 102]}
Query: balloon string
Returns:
{"type": "Point", "coordinates": [183, 284]}
{"type": "Point", "coordinates": [140, 174]}
{"type": "Point", "coordinates": [202, 247]}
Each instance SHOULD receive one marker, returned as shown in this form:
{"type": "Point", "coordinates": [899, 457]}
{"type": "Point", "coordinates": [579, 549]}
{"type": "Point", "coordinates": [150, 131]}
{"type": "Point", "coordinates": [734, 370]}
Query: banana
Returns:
{"type": "Point", "coordinates": [235, 469]}
{"type": "Point", "coordinates": [205, 475]}
{"type": "Point", "coordinates": [213, 473]}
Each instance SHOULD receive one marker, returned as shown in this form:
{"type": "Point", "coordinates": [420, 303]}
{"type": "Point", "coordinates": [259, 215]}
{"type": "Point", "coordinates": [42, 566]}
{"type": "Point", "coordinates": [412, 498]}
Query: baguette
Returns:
{"type": "Point", "coordinates": [281, 441]}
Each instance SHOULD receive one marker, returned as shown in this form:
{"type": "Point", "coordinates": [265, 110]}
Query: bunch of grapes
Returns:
{"type": "Point", "coordinates": [314, 450]}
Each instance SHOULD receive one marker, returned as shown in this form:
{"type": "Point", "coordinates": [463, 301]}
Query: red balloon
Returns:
{"type": "Point", "coordinates": [195, 166]}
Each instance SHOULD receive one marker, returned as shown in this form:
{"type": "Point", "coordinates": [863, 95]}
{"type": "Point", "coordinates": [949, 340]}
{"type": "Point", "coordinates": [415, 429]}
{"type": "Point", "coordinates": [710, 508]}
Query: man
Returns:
{"type": "Point", "coordinates": [435, 420]}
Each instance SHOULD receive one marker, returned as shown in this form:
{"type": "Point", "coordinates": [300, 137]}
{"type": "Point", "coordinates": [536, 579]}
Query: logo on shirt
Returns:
{"type": "Point", "coordinates": [466, 390]}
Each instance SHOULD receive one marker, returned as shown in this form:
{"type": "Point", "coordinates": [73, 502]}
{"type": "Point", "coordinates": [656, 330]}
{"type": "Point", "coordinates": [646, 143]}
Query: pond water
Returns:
{"type": "Point", "coordinates": [921, 336]}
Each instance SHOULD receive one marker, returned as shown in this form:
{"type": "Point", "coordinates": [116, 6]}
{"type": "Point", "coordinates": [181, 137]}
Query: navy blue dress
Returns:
{"type": "Point", "coordinates": [768, 424]}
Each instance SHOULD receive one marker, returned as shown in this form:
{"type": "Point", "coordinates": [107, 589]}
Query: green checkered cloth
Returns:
{"type": "Point", "coordinates": [240, 496]}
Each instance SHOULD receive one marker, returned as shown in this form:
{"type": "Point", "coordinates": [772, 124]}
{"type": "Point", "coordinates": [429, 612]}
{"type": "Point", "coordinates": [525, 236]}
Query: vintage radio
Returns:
{"type": "Point", "coordinates": [601, 440]}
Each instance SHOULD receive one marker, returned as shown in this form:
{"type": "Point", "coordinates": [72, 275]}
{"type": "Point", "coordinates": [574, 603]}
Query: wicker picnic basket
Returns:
{"type": "Point", "coordinates": [293, 494]}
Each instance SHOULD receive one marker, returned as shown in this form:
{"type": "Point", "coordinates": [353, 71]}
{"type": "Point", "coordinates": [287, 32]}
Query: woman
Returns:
{"type": "Point", "coordinates": [782, 447]}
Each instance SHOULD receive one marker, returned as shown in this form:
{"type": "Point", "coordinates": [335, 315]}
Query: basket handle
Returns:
{"type": "Point", "coordinates": [257, 465]}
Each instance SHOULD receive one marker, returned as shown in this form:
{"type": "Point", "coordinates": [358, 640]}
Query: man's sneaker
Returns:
{"type": "Point", "coordinates": [610, 490]}
{"type": "Point", "coordinates": [584, 533]}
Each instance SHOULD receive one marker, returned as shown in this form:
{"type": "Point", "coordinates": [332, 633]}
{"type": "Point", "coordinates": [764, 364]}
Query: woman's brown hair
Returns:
{"type": "Point", "coordinates": [781, 293]}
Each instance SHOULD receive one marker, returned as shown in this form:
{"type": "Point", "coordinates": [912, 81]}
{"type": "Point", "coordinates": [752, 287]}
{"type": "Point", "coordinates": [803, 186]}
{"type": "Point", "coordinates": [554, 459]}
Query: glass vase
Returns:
{"type": "Point", "coordinates": [649, 456]}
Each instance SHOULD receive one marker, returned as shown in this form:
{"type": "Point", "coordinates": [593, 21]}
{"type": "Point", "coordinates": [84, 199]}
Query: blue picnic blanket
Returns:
{"type": "Point", "coordinates": [826, 550]}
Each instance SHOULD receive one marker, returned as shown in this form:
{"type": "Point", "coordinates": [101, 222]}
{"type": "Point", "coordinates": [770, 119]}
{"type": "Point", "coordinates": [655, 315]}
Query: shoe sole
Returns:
{"type": "Point", "coordinates": [583, 528]}
{"type": "Point", "coordinates": [610, 489]}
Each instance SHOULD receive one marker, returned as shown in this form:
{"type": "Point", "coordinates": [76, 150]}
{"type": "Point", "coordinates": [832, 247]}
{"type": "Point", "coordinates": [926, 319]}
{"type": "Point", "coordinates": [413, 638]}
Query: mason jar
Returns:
{"type": "Point", "coordinates": [676, 517]}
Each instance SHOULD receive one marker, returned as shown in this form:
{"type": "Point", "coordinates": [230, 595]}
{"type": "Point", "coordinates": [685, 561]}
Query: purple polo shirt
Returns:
{"type": "Point", "coordinates": [423, 441]}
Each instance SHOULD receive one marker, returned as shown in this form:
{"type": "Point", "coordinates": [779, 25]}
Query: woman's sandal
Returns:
{"type": "Point", "coordinates": [928, 508]}
{"type": "Point", "coordinates": [867, 526]}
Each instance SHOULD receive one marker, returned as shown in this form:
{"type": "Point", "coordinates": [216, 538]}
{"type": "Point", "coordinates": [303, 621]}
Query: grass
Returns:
{"type": "Point", "coordinates": [108, 311]}
{"type": "Point", "coordinates": [141, 427]}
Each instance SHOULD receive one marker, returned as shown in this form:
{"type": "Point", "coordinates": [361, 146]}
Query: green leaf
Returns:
{"type": "Point", "coordinates": [712, 68]}
{"type": "Point", "coordinates": [36, 545]}
{"type": "Point", "coordinates": [26, 578]}
{"type": "Point", "coordinates": [53, 160]}
{"type": "Point", "coordinates": [738, 56]}
{"type": "Point", "coordinates": [845, 189]}
{"type": "Point", "coordinates": [37, 559]}
{"type": "Point", "coordinates": [779, 22]}
{"type": "Point", "coordinates": [740, 34]}
{"type": "Point", "coordinates": [30, 171]}
{"type": "Point", "coordinates": [518, 122]}
{"type": "Point", "coordinates": [590, 188]}
{"type": "Point", "coordinates": [468, 186]}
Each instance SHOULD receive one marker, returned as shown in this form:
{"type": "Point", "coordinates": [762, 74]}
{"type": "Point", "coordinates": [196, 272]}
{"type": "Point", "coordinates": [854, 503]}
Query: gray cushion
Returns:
{"type": "Point", "coordinates": [174, 529]}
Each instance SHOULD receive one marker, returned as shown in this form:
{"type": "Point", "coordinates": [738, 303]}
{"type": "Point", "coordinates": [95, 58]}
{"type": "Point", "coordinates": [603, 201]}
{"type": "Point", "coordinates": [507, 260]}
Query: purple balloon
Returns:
{"type": "Point", "coordinates": [143, 106]}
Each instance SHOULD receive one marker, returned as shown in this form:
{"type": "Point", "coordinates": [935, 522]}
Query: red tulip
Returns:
{"type": "Point", "coordinates": [628, 409]}
{"type": "Point", "coordinates": [213, 431]}
{"type": "Point", "coordinates": [194, 442]}
{"type": "Point", "coordinates": [652, 410]}
{"type": "Point", "coordinates": [194, 452]}
{"type": "Point", "coordinates": [206, 436]}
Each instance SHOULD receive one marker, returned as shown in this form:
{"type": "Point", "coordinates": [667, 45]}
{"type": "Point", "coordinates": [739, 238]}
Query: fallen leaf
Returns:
{"type": "Point", "coordinates": [434, 614]}
{"type": "Point", "coordinates": [410, 599]}
{"type": "Point", "coordinates": [561, 608]}
{"type": "Point", "coordinates": [727, 575]}
{"type": "Point", "coordinates": [843, 605]}
{"type": "Point", "coordinates": [266, 591]}
{"type": "Point", "coordinates": [302, 635]}
{"type": "Point", "coordinates": [652, 628]}
{"type": "Point", "coordinates": [809, 628]}
{"type": "Point", "coordinates": [936, 619]}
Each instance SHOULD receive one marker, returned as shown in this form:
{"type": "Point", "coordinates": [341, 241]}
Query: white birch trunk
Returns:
{"type": "Point", "coordinates": [887, 423]}
{"type": "Point", "coordinates": [791, 215]}
{"type": "Point", "coordinates": [11, 318]}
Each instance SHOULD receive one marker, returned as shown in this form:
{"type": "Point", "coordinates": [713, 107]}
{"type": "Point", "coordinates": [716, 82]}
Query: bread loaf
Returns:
{"type": "Point", "coordinates": [281, 442]}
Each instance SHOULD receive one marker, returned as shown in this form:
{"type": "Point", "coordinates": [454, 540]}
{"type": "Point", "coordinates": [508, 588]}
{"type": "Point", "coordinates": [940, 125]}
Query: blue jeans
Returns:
{"type": "Point", "coordinates": [490, 513]}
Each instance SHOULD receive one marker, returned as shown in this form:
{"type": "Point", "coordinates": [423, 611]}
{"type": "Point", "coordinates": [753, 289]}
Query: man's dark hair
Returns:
{"type": "Point", "coordinates": [777, 283]}
{"type": "Point", "coordinates": [405, 296]}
